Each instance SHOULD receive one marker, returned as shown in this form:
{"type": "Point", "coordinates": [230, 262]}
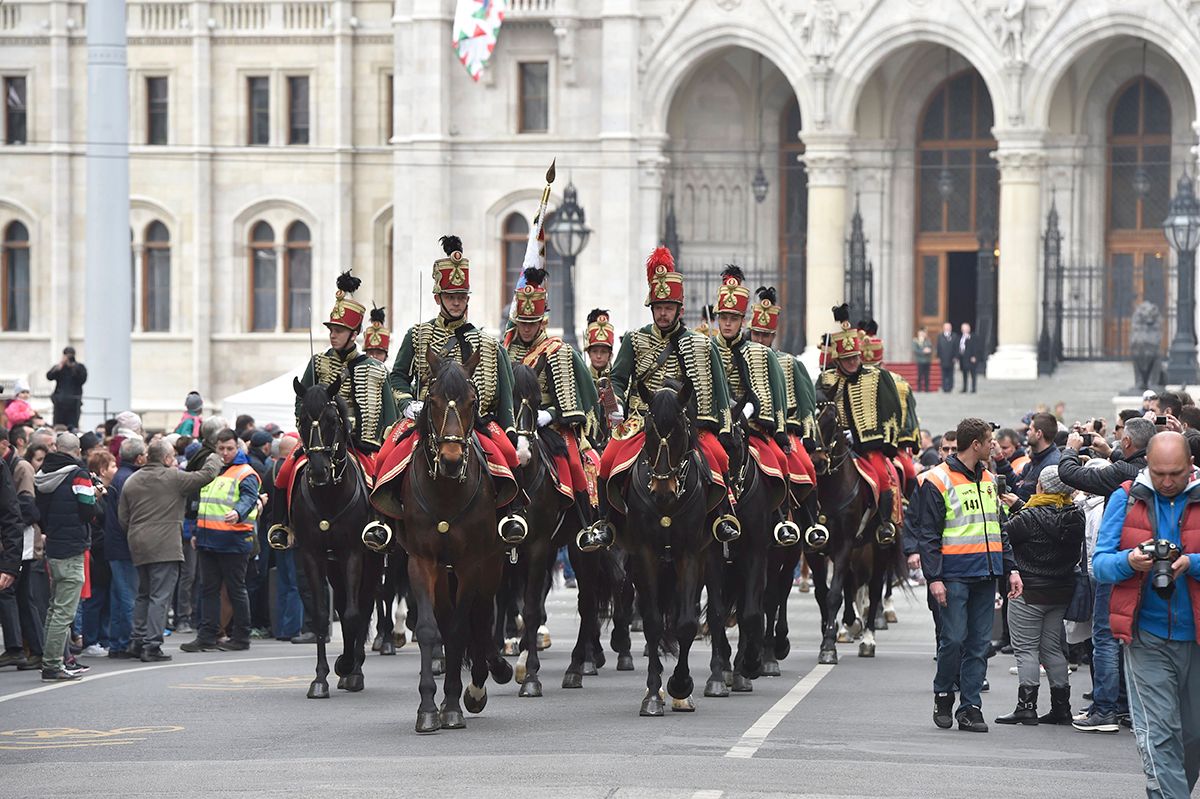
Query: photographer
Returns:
{"type": "Point", "coordinates": [68, 376]}
{"type": "Point", "coordinates": [1135, 436]}
{"type": "Point", "coordinates": [1149, 550]}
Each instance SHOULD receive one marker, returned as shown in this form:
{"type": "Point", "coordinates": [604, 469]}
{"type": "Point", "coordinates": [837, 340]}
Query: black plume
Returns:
{"type": "Point", "coordinates": [733, 270]}
{"type": "Point", "coordinates": [379, 315]}
{"type": "Point", "coordinates": [535, 276]}
{"type": "Point", "coordinates": [595, 314]}
{"type": "Point", "coordinates": [768, 293]}
{"type": "Point", "coordinates": [868, 326]}
{"type": "Point", "coordinates": [451, 244]}
{"type": "Point", "coordinates": [348, 283]}
{"type": "Point", "coordinates": [841, 313]}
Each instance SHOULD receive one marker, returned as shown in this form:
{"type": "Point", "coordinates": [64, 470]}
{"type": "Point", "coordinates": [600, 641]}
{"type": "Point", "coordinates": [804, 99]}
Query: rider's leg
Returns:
{"type": "Point", "coordinates": [279, 535]}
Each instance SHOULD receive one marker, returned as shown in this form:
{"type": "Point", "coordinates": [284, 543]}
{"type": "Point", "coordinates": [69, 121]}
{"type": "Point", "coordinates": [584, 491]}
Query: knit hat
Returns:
{"type": "Point", "coordinates": [194, 402]}
{"type": "Point", "coordinates": [261, 438]}
{"type": "Point", "coordinates": [129, 421]}
{"type": "Point", "coordinates": [1051, 483]}
{"type": "Point", "coordinates": [19, 385]}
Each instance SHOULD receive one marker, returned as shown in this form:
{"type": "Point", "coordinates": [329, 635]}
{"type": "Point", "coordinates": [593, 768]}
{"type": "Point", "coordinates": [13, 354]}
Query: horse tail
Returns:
{"type": "Point", "coordinates": [610, 576]}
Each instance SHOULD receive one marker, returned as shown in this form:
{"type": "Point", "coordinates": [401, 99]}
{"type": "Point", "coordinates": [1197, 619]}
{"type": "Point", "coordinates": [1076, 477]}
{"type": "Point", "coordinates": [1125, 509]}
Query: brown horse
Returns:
{"type": "Point", "coordinates": [455, 557]}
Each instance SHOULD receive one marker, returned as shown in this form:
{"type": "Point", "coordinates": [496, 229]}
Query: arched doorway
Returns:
{"type": "Point", "coordinates": [957, 197]}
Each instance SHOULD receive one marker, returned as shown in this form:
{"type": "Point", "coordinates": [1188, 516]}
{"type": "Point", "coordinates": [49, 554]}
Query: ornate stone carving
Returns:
{"type": "Point", "coordinates": [1145, 343]}
{"type": "Point", "coordinates": [821, 30]}
{"type": "Point", "coordinates": [1015, 24]}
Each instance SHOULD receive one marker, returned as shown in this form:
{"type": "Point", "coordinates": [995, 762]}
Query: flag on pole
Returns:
{"type": "Point", "coordinates": [476, 27]}
{"type": "Point", "coordinates": [535, 249]}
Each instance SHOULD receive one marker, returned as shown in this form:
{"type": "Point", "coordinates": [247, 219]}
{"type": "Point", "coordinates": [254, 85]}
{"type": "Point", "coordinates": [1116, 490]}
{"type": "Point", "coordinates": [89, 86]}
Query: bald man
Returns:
{"type": "Point", "coordinates": [1160, 628]}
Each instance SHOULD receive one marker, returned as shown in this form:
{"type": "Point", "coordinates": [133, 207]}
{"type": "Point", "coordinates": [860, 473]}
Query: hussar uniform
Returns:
{"type": "Point", "coordinates": [909, 437]}
{"type": "Point", "coordinates": [601, 333]}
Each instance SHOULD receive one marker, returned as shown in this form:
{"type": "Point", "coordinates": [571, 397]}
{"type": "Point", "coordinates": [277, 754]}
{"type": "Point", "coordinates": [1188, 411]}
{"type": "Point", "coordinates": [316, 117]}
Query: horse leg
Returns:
{"type": "Point", "coordinates": [878, 577]}
{"type": "Point", "coordinates": [422, 576]}
{"type": "Point", "coordinates": [585, 577]}
{"type": "Point", "coordinates": [475, 697]}
{"type": "Point", "coordinates": [537, 565]}
{"type": "Point", "coordinates": [770, 663]}
{"type": "Point", "coordinates": [646, 568]}
{"type": "Point", "coordinates": [314, 572]}
{"type": "Point", "coordinates": [783, 591]}
{"type": "Point", "coordinates": [343, 665]}
{"type": "Point", "coordinates": [851, 619]}
{"type": "Point", "coordinates": [456, 640]}
{"type": "Point", "coordinates": [715, 613]}
{"type": "Point", "coordinates": [622, 617]}
{"type": "Point", "coordinates": [385, 624]}
{"type": "Point", "coordinates": [833, 605]}
{"type": "Point", "coordinates": [687, 593]}
{"type": "Point", "coordinates": [750, 617]}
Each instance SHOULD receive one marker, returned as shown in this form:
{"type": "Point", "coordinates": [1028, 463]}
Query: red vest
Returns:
{"type": "Point", "coordinates": [1126, 598]}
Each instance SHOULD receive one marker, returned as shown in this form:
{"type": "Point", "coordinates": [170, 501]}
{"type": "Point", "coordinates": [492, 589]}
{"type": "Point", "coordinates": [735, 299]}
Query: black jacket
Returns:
{"type": "Point", "coordinates": [947, 349]}
{"type": "Point", "coordinates": [969, 350]}
{"type": "Point", "coordinates": [1103, 481]}
{"type": "Point", "coordinates": [1047, 543]}
{"type": "Point", "coordinates": [68, 380]}
{"type": "Point", "coordinates": [66, 499]}
{"type": "Point", "coordinates": [12, 526]}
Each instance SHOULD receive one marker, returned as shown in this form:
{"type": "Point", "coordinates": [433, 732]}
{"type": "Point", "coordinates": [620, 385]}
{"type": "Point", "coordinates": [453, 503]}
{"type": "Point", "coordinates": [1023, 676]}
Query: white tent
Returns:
{"type": "Point", "coordinates": [272, 401]}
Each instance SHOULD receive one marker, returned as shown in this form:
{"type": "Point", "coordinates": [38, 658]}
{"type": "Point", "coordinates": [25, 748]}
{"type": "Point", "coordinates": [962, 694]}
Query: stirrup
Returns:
{"type": "Point", "coordinates": [372, 533]}
{"type": "Point", "coordinates": [593, 533]}
{"type": "Point", "coordinates": [513, 518]}
{"type": "Point", "coordinates": [787, 533]}
{"type": "Point", "coordinates": [289, 538]}
{"type": "Point", "coordinates": [817, 535]}
{"type": "Point", "coordinates": [730, 519]}
{"type": "Point", "coordinates": [885, 534]}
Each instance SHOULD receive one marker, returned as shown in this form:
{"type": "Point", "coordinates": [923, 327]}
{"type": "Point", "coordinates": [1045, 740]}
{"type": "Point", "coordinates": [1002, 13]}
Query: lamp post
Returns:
{"type": "Point", "coordinates": [1182, 229]}
{"type": "Point", "coordinates": [569, 235]}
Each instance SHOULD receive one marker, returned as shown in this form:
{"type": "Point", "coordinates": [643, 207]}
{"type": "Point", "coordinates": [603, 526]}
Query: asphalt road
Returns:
{"type": "Point", "coordinates": [239, 724]}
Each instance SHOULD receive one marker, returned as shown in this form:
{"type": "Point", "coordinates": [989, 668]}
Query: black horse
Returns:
{"type": "Point", "coordinates": [329, 507]}
{"type": "Point", "coordinates": [664, 532]}
{"type": "Point", "coordinates": [448, 503]}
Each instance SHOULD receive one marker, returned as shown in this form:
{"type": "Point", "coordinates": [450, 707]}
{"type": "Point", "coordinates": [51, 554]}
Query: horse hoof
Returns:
{"type": "Point", "coordinates": [401, 640]}
{"type": "Point", "coordinates": [572, 679]}
{"type": "Point", "coordinates": [438, 667]}
{"type": "Point", "coordinates": [645, 650]}
{"type": "Point", "coordinates": [728, 677]}
{"type": "Point", "coordinates": [770, 668]}
{"type": "Point", "coordinates": [532, 688]}
{"type": "Point", "coordinates": [472, 704]}
{"type": "Point", "coordinates": [625, 662]}
{"type": "Point", "coordinates": [501, 671]}
{"type": "Point", "coordinates": [843, 636]}
{"type": "Point", "coordinates": [543, 638]}
{"type": "Point", "coordinates": [890, 616]}
{"type": "Point", "coordinates": [866, 650]}
{"type": "Point", "coordinates": [343, 665]}
{"type": "Point", "coordinates": [881, 623]}
{"type": "Point", "coordinates": [716, 688]}
{"type": "Point", "coordinates": [353, 683]}
{"type": "Point", "coordinates": [827, 657]}
{"type": "Point", "coordinates": [378, 642]}
{"type": "Point", "coordinates": [341, 685]}
{"type": "Point", "coordinates": [453, 720]}
{"type": "Point", "coordinates": [652, 705]}
{"type": "Point", "coordinates": [685, 705]}
{"type": "Point", "coordinates": [428, 721]}
{"type": "Point", "coordinates": [511, 645]}
{"type": "Point", "coordinates": [318, 690]}
{"type": "Point", "coordinates": [600, 660]}
{"type": "Point", "coordinates": [782, 647]}
{"type": "Point", "coordinates": [589, 669]}
{"type": "Point", "coordinates": [521, 669]}
{"type": "Point", "coordinates": [387, 648]}
{"type": "Point", "coordinates": [742, 684]}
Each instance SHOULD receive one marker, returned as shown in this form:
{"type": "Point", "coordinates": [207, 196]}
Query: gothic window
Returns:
{"type": "Point", "coordinates": [156, 279]}
{"type": "Point", "coordinates": [16, 277]}
{"type": "Point", "coordinates": [298, 277]}
{"type": "Point", "coordinates": [263, 292]}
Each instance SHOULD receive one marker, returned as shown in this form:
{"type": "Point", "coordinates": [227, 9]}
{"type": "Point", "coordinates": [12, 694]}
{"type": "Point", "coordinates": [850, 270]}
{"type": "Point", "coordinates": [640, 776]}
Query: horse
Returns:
{"type": "Point", "coordinates": [736, 575]}
{"type": "Point", "coordinates": [329, 508]}
{"type": "Point", "coordinates": [853, 548]}
{"type": "Point", "coordinates": [664, 534]}
{"type": "Point", "coordinates": [448, 504]}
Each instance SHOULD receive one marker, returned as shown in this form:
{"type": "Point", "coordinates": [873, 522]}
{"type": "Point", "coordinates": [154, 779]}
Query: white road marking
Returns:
{"type": "Point", "coordinates": [143, 669]}
{"type": "Point", "coordinates": [754, 737]}
{"type": "Point", "coordinates": [708, 794]}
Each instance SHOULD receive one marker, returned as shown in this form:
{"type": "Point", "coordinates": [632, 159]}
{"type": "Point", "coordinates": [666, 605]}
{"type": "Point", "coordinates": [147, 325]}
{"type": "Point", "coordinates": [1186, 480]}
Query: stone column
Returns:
{"type": "Point", "coordinates": [343, 158]}
{"type": "Point", "coordinates": [1021, 159]}
{"type": "Point", "coordinates": [63, 270]}
{"type": "Point", "coordinates": [203, 234]}
{"type": "Point", "coordinates": [827, 157]}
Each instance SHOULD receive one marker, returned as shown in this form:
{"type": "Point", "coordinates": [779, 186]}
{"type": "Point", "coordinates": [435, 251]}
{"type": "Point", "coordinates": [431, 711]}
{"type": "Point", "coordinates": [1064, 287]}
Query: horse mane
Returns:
{"type": "Point", "coordinates": [313, 403]}
{"type": "Point", "coordinates": [525, 384]}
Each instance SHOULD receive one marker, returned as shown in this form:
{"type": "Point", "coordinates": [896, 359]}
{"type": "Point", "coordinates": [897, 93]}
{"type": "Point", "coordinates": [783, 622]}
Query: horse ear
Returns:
{"type": "Point", "coordinates": [685, 391]}
{"type": "Point", "coordinates": [472, 363]}
{"type": "Point", "coordinates": [643, 392]}
{"type": "Point", "coordinates": [433, 359]}
{"type": "Point", "coordinates": [298, 386]}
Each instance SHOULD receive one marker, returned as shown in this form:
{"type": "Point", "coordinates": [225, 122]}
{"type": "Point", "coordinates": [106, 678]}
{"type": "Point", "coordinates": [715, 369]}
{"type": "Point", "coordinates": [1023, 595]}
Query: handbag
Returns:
{"type": "Point", "coordinates": [1083, 598]}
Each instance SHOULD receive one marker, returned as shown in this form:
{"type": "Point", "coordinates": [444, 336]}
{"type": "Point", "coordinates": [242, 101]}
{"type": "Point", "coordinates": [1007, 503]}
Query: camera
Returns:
{"type": "Point", "coordinates": [1001, 484]}
{"type": "Point", "coordinates": [1163, 553]}
{"type": "Point", "coordinates": [1160, 421]}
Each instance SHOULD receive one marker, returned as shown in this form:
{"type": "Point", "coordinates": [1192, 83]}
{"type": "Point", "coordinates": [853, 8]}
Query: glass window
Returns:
{"type": "Point", "coordinates": [16, 277]}
{"type": "Point", "coordinates": [156, 110]}
{"type": "Point", "coordinates": [515, 237]}
{"type": "Point", "coordinates": [298, 277]}
{"type": "Point", "coordinates": [389, 108]}
{"type": "Point", "coordinates": [535, 97]}
{"type": "Point", "coordinates": [262, 278]}
{"type": "Point", "coordinates": [14, 110]}
{"type": "Point", "coordinates": [156, 279]}
{"type": "Point", "coordinates": [297, 110]}
{"type": "Point", "coordinates": [258, 110]}
{"type": "Point", "coordinates": [1139, 152]}
{"type": "Point", "coordinates": [930, 286]}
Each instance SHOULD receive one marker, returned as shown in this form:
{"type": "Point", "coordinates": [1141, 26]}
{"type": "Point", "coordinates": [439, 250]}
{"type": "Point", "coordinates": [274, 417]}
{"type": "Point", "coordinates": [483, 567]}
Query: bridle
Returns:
{"type": "Point", "coordinates": [438, 437]}
{"type": "Point", "coordinates": [836, 457]}
{"type": "Point", "coordinates": [675, 471]}
{"type": "Point", "coordinates": [526, 413]}
{"type": "Point", "coordinates": [338, 456]}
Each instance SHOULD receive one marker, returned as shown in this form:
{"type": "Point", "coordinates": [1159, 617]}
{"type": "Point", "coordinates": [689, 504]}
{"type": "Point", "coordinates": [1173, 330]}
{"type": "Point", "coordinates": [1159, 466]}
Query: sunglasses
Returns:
{"type": "Point", "coordinates": [949, 449]}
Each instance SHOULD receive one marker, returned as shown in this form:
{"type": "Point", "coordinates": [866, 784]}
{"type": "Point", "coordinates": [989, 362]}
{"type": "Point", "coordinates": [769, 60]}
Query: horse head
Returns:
{"type": "Point", "coordinates": [448, 417]}
{"type": "Point", "coordinates": [527, 399]}
{"type": "Point", "coordinates": [324, 431]}
{"type": "Point", "coordinates": [670, 436]}
{"type": "Point", "coordinates": [828, 434]}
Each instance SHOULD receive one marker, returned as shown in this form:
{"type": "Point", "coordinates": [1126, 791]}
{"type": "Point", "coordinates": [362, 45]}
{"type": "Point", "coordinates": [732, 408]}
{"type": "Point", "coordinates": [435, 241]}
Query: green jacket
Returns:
{"type": "Point", "coordinates": [801, 395]}
{"type": "Point", "coordinates": [753, 371]}
{"type": "Point", "coordinates": [568, 391]}
{"type": "Point", "coordinates": [372, 406]}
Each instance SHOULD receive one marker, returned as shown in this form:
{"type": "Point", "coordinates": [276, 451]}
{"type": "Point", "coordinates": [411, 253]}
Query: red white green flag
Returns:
{"type": "Point", "coordinates": [476, 27]}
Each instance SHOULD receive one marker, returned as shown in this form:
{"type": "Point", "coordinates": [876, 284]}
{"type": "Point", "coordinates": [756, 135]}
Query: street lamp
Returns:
{"type": "Point", "coordinates": [1182, 229]}
{"type": "Point", "coordinates": [759, 185]}
{"type": "Point", "coordinates": [569, 235]}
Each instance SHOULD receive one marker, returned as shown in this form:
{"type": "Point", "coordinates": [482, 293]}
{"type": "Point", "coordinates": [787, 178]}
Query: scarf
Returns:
{"type": "Point", "coordinates": [1049, 500]}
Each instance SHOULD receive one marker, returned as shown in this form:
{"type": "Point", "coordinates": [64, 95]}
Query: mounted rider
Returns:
{"type": "Point", "coordinates": [377, 338]}
{"type": "Point", "coordinates": [569, 396]}
{"type": "Point", "coordinates": [365, 390]}
{"type": "Point", "coordinates": [449, 334]}
{"type": "Point", "coordinates": [909, 439]}
{"type": "Point", "coordinates": [600, 336]}
{"type": "Point", "coordinates": [757, 386]}
{"type": "Point", "coordinates": [662, 350]}
{"type": "Point", "coordinates": [869, 407]}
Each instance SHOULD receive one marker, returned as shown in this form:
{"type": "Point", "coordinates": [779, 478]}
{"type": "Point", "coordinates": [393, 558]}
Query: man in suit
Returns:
{"type": "Point", "coordinates": [968, 356]}
{"type": "Point", "coordinates": [947, 351]}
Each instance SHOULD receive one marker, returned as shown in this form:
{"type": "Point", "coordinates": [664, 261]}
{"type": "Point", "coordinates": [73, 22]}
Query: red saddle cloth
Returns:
{"type": "Point", "coordinates": [880, 474]}
{"type": "Point", "coordinates": [626, 443]}
{"type": "Point", "coordinates": [286, 478]}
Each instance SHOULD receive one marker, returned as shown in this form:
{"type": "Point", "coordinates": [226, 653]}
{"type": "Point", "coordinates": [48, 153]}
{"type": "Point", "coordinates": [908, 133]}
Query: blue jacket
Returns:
{"type": "Point", "coordinates": [116, 543]}
{"type": "Point", "coordinates": [225, 541]}
{"type": "Point", "coordinates": [927, 527]}
{"type": "Point", "coordinates": [1110, 564]}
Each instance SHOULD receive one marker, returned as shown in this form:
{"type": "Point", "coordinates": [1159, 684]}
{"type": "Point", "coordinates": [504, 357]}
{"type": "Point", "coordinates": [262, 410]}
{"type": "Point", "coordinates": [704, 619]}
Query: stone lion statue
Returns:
{"type": "Point", "coordinates": [1145, 342]}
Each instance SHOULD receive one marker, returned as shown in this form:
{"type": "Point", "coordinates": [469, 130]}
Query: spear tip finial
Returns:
{"type": "Point", "coordinates": [550, 171]}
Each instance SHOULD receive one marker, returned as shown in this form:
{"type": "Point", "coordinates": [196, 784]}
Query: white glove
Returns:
{"type": "Point", "coordinates": [544, 418]}
{"type": "Point", "coordinates": [748, 411]}
{"type": "Point", "coordinates": [413, 409]}
{"type": "Point", "coordinates": [617, 416]}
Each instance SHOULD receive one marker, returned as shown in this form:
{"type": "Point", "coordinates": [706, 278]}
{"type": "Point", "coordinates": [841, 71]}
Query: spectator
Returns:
{"type": "Point", "coordinates": [17, 608]}
{"type": "Point", "coordinates": [189, 423]}
{"type": "Point", "coordinates": [1010, 449]}
{"type": "Point", "coordinates": [96, 616]}
{"type": "Point", "coordinates": [66, 500]}
{"type": "Point", "coordinates": [1043, 429]}
{"type": "Point", "coordinates": [1135, 436]}
{"type": "Point", "coordinates": [259, 569]}
{"type": "Point", "coordinates": [35, 455]}
{"type": "Point", "coordinates": [89, 442]}
{"type": "Point", "coordinates": [244, 422]}
{"type": "Point", "coordinates": [947, 351]}
{"type": "Point", "coordinates": [116, 548]}
{"type": "Point", "coordinates": [129, 425]}
{"type": "Point", "coordinates": [68, 376]}
{"type": "Point", "coordinates": [1148, 400]}
{"type": "Point", "coordinates": [1189, 415]}
{"type": "Point", "coordinates": [922, 349]}
{"type": "Point", "coordinates": [229, 506]}
{"type": "Point", "coordinates": [1158, 627]}
{"type": "Point", "coordinates": [1168, 403]}
{"type": "Point", "coordinates": [961, 577]}
{"type": "Point", "coordinates": [1047, 536]}
{"type": "Point", "coordinates": [18, 410]}
{"type": "Point", "coordinates": [969, 353]}
{"type": "Point", "coordinates": [290, 616]}
{"type": "Point", "coordinates": [151, 509]}
{"type": "Point", "coordinates": [929, 450]}
{"type": "Point", "coordinates": [198, 454]}
{"type": "Point", "coordinates": [12, 534]}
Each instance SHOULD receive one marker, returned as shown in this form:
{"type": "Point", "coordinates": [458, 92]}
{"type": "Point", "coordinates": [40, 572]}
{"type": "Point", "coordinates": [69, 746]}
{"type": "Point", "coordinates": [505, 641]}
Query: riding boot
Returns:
{"type": "Point", "coordinates": [512, 526]}
{"type": "Point", "coordinates": [377, 535]}
{"type": "Point", "coordinates": [726, 528]}
{"type": "Point", "coordinates": [787, 533]}
{"type": "Point", "coordinates": [600, 534]}
{"type": "Point", "coordinates": [886, 534]}
{"type": "Point", "coordinates": [279, 535]}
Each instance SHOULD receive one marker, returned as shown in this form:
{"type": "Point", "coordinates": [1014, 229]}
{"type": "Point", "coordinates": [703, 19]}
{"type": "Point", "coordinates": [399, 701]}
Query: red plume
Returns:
{"type": "Point", "coordinates": [660, 257]}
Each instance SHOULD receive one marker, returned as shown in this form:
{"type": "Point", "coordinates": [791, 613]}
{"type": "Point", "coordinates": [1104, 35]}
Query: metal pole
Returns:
{"type": "Point", "coordinates": [108, 296]}
{"type": "Point", "coordinates": [1181, 359]}
{"type": "Point", "coordinates": [569, 300]}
